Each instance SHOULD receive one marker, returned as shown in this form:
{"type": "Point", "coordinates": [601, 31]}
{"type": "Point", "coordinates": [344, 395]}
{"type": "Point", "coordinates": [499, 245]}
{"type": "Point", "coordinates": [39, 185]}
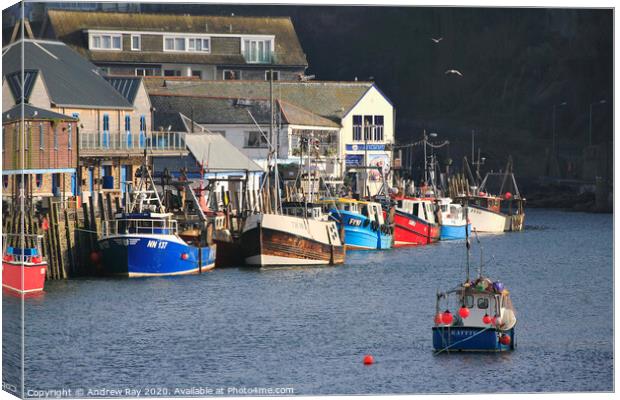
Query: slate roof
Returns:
{"type": "Point", "coordinates": [70, 79]}
{"type": "Point", "coordinates": [69, 26]}
{"type": "Point", "coordinates": [331, 100]}
{"type": "Point", "coordinates": [15, 84]}
{"type": "Point", "coordinates": [126, 86]}
{"type": "Point", "coordinates": [217, 110]}
{"type": "Point", "coordinates": [163, 119]}
{"type": "Point", "coordinates": [32, 113]}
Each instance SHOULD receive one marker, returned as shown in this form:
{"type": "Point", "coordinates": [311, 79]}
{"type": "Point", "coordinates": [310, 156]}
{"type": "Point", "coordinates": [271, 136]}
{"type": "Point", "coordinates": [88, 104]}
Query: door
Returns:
{"type": "Point", "coordinates": [56, 184]}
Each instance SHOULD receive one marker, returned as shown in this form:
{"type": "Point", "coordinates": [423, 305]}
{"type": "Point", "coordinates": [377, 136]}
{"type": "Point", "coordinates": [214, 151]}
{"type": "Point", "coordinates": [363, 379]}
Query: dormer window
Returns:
{"type": "Point", "coordinates": [187, 43]}
{"type": "Point", "coordinates": [106, 42]}
{"type": "Point", "coordinates": [257, 50]}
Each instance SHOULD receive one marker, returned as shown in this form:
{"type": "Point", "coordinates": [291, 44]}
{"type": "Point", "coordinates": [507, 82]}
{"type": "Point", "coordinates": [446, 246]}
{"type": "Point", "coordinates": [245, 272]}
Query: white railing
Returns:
{"type": "Point", "coordinates": [31, 252]}
{"type": "Point", "coordinates": [139, 226]}
{"type": "Point", "coordinates": [110, 141]}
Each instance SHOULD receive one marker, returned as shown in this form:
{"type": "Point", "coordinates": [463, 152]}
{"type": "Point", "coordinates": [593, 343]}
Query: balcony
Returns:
{"type": "Point", "coordinates": [122, 143]}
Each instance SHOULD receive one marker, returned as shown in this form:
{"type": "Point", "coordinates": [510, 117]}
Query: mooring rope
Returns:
{"type": "Point", "coordinates": [462, 340]}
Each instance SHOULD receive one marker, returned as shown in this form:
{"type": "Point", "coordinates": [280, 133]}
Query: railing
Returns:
{"type": "Point", "coordinates": [29, 253]}
{"type": "Point", "coordinates": [114, 141]}
{"type": "Point", "coordinates": [139, 226]}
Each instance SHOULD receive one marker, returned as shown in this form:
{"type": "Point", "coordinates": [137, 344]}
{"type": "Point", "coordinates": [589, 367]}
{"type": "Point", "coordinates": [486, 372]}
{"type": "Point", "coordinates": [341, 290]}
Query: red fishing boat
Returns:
{"type": "Point", "coordinates": [24, 269]}
{"type": "Point", "coordinates": [415, 222]}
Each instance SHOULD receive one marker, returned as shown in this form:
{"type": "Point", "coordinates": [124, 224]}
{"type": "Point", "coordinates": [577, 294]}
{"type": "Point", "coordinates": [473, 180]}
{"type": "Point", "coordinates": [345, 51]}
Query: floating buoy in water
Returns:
{"type": "Point", "coordinates": [447, 317]}
{"type": "Point", "coordinates": [438, 319]}
{"type": "Point", "coordinates": [464, 312]}
{"type": "Point", "coordinates": [94, 257]}
{"type": "Point", "coordinates": [184, 256]}
{"type": "Point", "coordinates": [486, 319]}
{"type": "Point", "coordinates": [368, 359]}
{"type": "Point", "coordinates": [505, 340]}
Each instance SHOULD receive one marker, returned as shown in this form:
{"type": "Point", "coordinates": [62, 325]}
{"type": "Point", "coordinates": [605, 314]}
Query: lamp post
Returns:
{"type": "Point", "coordinates": [425, 142]}
{"type": "Point", "coordinates": [602, 101]}
{"type": "Point", "coordinates": [555, 144]}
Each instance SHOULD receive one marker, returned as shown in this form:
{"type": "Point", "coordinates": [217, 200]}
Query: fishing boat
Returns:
{"type": "Point", "coordinates": [415, 222]}
{"type": "Point", "coordinates": [453, 220]}
{"type": "Point", "coordinates": [23, 269]}
{"type": "Point", "coordinates": [144, 240]}
{"type": "Point", "coordinates": [482, 317]}
{"type": "Point", "coordinates": [363, 223]}
{"type": "Point", "coordinates": [300, 235]}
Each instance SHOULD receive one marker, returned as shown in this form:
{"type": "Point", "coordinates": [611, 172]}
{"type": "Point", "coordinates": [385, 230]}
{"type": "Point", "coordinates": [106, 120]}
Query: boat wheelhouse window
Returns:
{"type": "Point", "coordinates": [399, 204]}
{"type": "Point", "coordinates": [483, 303]}
{"type": "Point", "coordinates": [365, 210]}
{"type": "Point", "coordinates": [416, 209]}
{"type": "Point", "coordinates": [469, 301]}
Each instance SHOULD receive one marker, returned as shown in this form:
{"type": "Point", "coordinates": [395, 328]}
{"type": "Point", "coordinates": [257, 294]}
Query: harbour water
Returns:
{"type": "Point", "coordinates": [309, 328]}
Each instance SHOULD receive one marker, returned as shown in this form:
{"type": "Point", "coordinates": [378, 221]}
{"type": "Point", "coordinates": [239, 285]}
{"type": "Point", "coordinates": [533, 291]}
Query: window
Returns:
{"type": "Point", "coordinates": [106, 42]}
{"type": "Point", "coordinates": [231, 75]}
{"type": "Point", "coordinates": [38, 180]}
{"type": "Point", "coordinates": [483, 303]}
{"type": "Point", "coordinates": [276, 75]}
{"type": "Point", "coordinates": [146, 72]}
{"type": "Point", "coordinates": [378, 128]}
{"type": "Point", "coordinates": [197, 73]}
{"type": "Point", "coordinates": [199, 44]}
{"type": "Point", "coordinates": [368, 127]}
{"type": "Point", "coordinates": [127, 123]}
{"type": "Point", "coordinates": [357, 127]}
{"type": "Point", "coordinates": [172, 72]}
{"type": "Point", "coordinates": [135, 42]}
{"type": "Point", "coordinates": [56, 137]}
{"type": "Point", "coordinates": [142, 130]}
{"type": "Point", "coordinates": [106, 130]}
{"type": "Point", "coordinates": [469, 301]}
{"type": "Point", "coordinates": [5, 181]}
{"type": "Point", "coordinates": [70, 136]}
{"type": "Point", "coordinates": [41, 136]}
{"type": "Point", "coordinates": [187, 43]}
{"type": "Point", "coordinates": [257, 51]}
{"type": "Point", "coordinates": [255, 139]}
{"type": "Point", "coordinates": [28, 128]}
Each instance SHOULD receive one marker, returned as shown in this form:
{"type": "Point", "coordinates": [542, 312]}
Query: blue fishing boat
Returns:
{"type": "Point", "coordinates": [482, 316]}
{"type": "Point", "coordinates": [453, 220]}
{"type": "Point", "coordinates": [362, 222]}
{"type": "Point", "coordinates": [144, 240]}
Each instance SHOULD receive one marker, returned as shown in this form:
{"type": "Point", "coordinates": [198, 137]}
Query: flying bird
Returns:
{"type": "Point", "coordinates": [437, 40]}
{"type": "Point", "coordinates": [453, 71]}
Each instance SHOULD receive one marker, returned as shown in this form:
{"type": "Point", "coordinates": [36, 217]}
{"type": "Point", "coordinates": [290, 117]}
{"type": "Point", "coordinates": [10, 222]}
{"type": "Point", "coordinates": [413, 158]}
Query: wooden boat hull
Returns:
{"type": "Point", "coordinates": [461, 338]}
{"type": "Point", "coordinates": [270, 239]}
{"type": "Point", "coordinates": [412, 231]}
{"type": "Point", "coordinates": [229, 253]}
{"type": "Point", "coordinates": [33, 276]}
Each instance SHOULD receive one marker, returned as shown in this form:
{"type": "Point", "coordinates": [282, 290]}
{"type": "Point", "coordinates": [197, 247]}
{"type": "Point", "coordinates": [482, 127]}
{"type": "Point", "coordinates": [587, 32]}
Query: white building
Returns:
{"type": "Point", "coordinates": [355, 120]}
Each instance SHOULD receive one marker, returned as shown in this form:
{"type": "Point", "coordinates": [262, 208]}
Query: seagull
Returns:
{"type": "Point", "coordinates": [437, 40]}
{"type": "Point", "coordinates": [453, 71]}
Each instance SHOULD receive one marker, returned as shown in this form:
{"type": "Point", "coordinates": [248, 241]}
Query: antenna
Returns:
{"type": "Point", "coordinates": [481, 254]}
{"type": "Point", "coordinates": [467, 242]}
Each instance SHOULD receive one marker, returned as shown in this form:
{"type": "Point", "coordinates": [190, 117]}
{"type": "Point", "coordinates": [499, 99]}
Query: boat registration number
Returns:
{"type": "Point", "coordinates": [156, 244]}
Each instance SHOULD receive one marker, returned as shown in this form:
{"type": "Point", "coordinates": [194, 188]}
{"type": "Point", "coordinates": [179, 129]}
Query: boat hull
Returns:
{"type": "Point", "coordinates": [483, 220]}
{"type": "Point", "coordinates": [454, 232]}
{"type": "Point", "coordinates": [153, 255]}
{"type": "Point", "coordinates": [412, 231]}
{"type": "Point", "coordinates": [359, 233]}
{"type": "Point", "coordinates": [33, 276]}
{"type": "Point", "coordinates": [447, 339]}
{"type": "Point", "coordinates": [279, 240]}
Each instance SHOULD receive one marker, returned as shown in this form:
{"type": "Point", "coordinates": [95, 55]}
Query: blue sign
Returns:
{"type": "Point", "coordinates": [354, 160]}
{"type": "Point", "coordinates": [369, 147]}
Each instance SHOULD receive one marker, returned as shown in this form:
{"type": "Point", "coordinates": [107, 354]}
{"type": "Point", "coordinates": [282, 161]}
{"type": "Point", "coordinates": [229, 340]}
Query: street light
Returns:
{"type": "Point", "coordinates": [425, 142]}
{"type": "Point", "coordinates": [602, 101]}
{"type": "Point", "coordinates": [553, 137]}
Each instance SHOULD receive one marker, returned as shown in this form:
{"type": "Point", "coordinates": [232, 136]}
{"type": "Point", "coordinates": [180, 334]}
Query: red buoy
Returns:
{"type": "Point", "coordinates": [368, 359]}
{"type": "Point", "coordinates": [508, 195]}
{"type": "Point", "coordinates": [505, 340]}
{"type": "Point", "coordinates": [36, 259]}
{"type": "Point", "coordinates": [494, 320]}
{"type": "Point", "coordinates": [486, 319]}
{"type": "Point", "coordinates": [464, 312]}
{"type": "Point", "coordinates": [447, 317]}
{"type": "Point", "coordinates": [438, 319]}
{"type": "Point", "coordinates": [184, 256]}
{"type": "Point", "coordinates": [8, 257]}
{"type": "Point", "coordinates": [94, 257]}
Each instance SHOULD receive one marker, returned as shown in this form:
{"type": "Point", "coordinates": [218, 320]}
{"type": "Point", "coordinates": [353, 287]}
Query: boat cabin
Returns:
{"type": "Point", "coordinates": [421, 208]}
{"type": "Point", "coordinates": [140, 223]}
{"type": "Point", "coordinates": [303, 210]}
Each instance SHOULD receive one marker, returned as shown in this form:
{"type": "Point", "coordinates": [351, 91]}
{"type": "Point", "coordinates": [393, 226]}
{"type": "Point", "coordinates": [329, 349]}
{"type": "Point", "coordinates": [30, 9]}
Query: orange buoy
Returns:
{"type": "Point", "coordinates": [368, 359]}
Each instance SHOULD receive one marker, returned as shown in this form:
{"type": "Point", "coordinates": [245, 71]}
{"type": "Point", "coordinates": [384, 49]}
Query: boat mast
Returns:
{"type": "Point", "coordinates": [274, 145]}
{"type": "Point", "coordinates": [467, 243]}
